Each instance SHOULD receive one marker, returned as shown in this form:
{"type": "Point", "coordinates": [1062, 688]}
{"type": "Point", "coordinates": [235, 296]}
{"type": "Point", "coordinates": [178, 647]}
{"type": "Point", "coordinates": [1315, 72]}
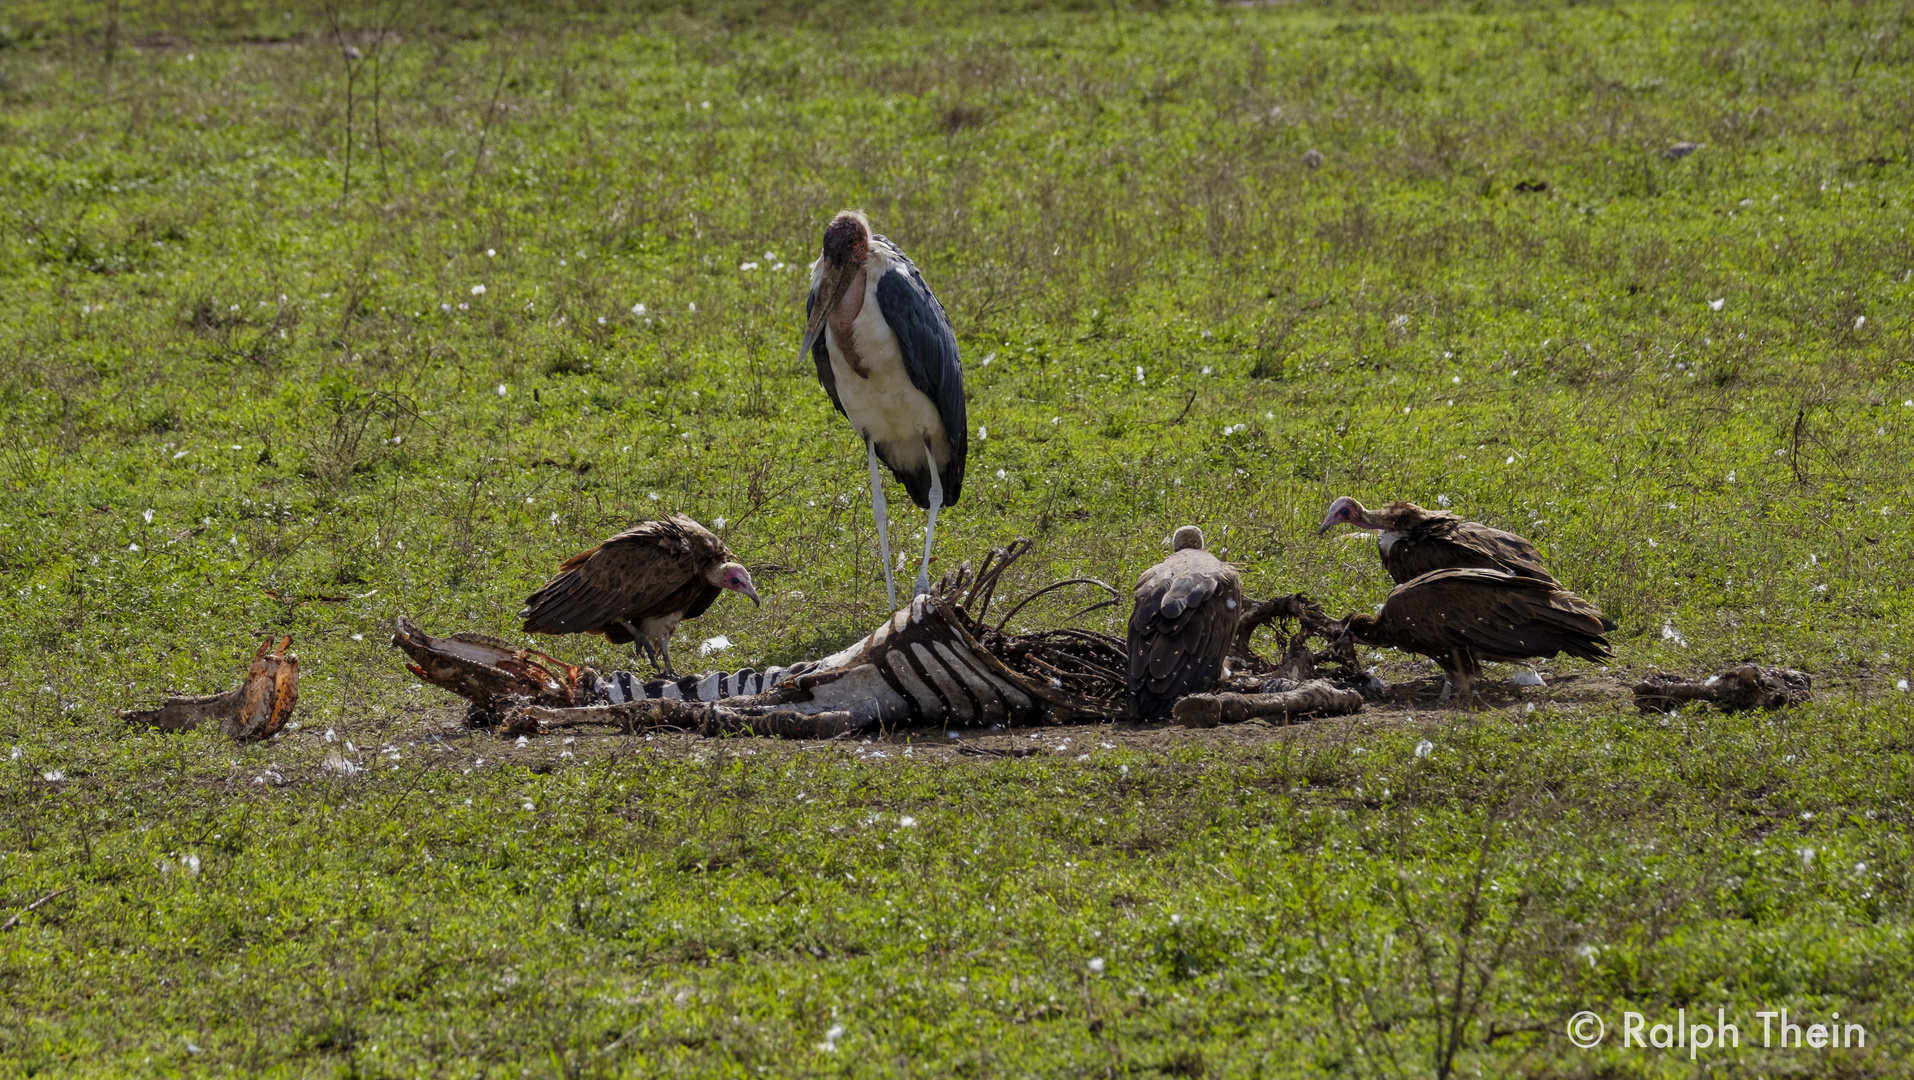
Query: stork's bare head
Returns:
{"type": "Point", "coordinates": [735, 577]}
{"type": "Point", "coordinates": [847, 241]}
{"type": "Point", "coordinates": [1346, 511]}
{"type": "Point", "coordinates": [1189, 536]}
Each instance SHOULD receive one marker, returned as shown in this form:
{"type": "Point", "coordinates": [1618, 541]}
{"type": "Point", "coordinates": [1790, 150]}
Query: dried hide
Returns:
{"type": "Point", "coordinates": [257, 710]}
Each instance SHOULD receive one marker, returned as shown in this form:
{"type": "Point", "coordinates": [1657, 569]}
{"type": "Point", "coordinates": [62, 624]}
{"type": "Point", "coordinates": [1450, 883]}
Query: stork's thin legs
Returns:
{"type": "Point", "coordinates": [879, 512]}
{"type": "Point", "coordinates": [930, 527]}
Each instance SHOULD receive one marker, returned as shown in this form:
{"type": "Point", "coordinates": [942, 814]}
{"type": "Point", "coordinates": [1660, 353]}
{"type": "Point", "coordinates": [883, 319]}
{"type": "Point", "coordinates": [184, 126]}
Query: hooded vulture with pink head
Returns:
{"type": "Point", "coordinates": [638, 586]}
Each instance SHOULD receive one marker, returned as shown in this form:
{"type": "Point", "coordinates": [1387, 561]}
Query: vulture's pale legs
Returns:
{"type": "Point", "coordinates": [930, 527]}
{"type": "Point", "coordinates": [882, 515]}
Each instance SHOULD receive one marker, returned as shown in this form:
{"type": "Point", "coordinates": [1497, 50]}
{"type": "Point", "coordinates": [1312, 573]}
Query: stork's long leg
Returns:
{"type": "Point", "coordinates": [930, 527]}
{"type": "Point", "coordinates": [879, 512]}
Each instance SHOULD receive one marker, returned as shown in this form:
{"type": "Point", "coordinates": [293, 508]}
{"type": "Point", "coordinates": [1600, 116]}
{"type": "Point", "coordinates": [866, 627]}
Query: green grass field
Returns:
{"type": "Point", "coordinates": [296, 340]}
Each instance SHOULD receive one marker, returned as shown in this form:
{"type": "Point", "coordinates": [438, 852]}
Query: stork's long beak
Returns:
{"type": "Point", "coordinates": [830, 291]}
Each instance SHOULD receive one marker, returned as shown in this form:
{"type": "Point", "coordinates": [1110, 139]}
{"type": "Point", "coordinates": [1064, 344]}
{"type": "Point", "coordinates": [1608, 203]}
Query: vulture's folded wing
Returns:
{"type": "Point", "coordinates": [1502, 615]}
{"type": "Point", "coordinates": [626, 577]}
{"type": "Point", "coordinates": [1180, 630]}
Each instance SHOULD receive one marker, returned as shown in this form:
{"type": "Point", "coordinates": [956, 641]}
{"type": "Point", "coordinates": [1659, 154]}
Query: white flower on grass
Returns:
{"type": "Point", "coordinates": [1000, 474]}
{"type": "Point", "coordinates": [1901, 686]}
{"type": "Point", "coordinates": [501, 391]}
{"type": "Point", "coordinates": [829, 1045]}
{"type": "Point", "coordinates": [192, 864]}
{"type": "Point", "coordinates": [132, 547]}
{"type": "Point", "coordinates": [181, 454]}
{"type": "Point", "coordinates": [637, 309]}
{"type": "Point", "coordinates": [1425, 748]}
{"type": "Point", "coordinates": [1096, 965]}
{"type": "Point", "coordinates": [713, 645]}
{"type": "Point", "coordinates": [748, 266]}
{"type": "Point", "coordinates": [1669, 633]}
{"type": "Point", "coordinates": [447, 308]}
{"type": "Point", "coordinates": [1715, 305]}
{"type": "Point", "coordinates": [478, 290]}
{"type": "Point", "coordinates": [491, 253]}
{"type": "Point", "coordinates": [982, 433]}
{"type": "Point", "coordinates": [148, 515]}
{"type": "Point", "coordinates": [1056, 420]}
{"type": "Point", "coordinates": [1510, 461]}
{"type": "Point", "coordinates": [988, 357]}
{"type": "Point", "coordinates": [1860, 321]}
{"type": "Point", "coordinates": [653, 496]}
{"type": "Point", "coordinates": [358, 637]}
{"type": "Point", "coordinates": [15, 755]}
{"type": "Point", "coordinates": [1139, 373]}
{"type": "Point", "coordinates": [1442, 500]}
{"type": "Point", "coordinates": [694, 309]}
{"type": "Point", "coordinates": [55, 775]}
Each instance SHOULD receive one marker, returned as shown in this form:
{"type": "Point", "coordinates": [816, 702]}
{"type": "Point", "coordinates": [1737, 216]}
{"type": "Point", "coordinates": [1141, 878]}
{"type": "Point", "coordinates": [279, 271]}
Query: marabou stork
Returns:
{"type": "Point", "coordinates": [886, 354]}
{"type": "Point", "coordinates": [638, 586]}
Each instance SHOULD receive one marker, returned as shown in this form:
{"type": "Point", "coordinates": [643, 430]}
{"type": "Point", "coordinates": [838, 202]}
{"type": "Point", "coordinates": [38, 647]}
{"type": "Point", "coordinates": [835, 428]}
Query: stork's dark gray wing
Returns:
{"type": "Point", "coordinates": [821, 353]}
{"type": "Point", "coordinates": [1495, 614]}
{"type": "Point", "coordinates": [1180, 630]}
{"type": "Point", "coordinates": [929, 349]}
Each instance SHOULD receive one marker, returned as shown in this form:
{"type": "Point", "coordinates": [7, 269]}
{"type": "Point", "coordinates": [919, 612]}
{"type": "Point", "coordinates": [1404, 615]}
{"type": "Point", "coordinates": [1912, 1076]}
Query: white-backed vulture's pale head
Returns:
{"type": "Point", "coordinates": [1189, 536]}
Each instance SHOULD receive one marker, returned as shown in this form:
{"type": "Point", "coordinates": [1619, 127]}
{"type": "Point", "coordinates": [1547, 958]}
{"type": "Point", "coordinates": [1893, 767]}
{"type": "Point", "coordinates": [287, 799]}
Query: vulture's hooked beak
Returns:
{"type": "Point", "coordinates": [753, 594]}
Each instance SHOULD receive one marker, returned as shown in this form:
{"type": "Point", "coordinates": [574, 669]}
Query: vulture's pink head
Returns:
{"type": "Point", "coordinates": [735, 577]}
{"type": "Point", "coordinates": [1346, 511]}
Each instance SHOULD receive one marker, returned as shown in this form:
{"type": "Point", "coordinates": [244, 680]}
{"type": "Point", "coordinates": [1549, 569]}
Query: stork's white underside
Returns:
{"type": "Point", "coordinates": [885, 408]}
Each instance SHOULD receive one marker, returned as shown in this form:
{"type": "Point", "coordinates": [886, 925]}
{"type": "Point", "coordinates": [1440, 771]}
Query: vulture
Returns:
{"type": "Point", "coordinates": [1182, 625]}
{"type": "Point", "coordinates": [638, 586]}
{"type": "Point", "coordinates": [1414, 541]}
{"type": "Point", "coordinates": [887, 356]}
{"type": "Point", "coordinates": [1463, 617]}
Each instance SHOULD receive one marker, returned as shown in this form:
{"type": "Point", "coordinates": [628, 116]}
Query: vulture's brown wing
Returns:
{"type": "Point", "coordinates": [1495, 615]}
{"type": "Point", "coordinates": [642, 572]}
{"type": "Point", "coordinates": [1180, 629]}
{"type": "Point", "coordinates": [1448, 543]}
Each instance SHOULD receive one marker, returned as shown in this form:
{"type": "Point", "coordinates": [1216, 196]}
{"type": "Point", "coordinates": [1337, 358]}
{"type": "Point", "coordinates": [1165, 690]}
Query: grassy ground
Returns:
{"type": "Point", "coordinates": [297, 342]}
